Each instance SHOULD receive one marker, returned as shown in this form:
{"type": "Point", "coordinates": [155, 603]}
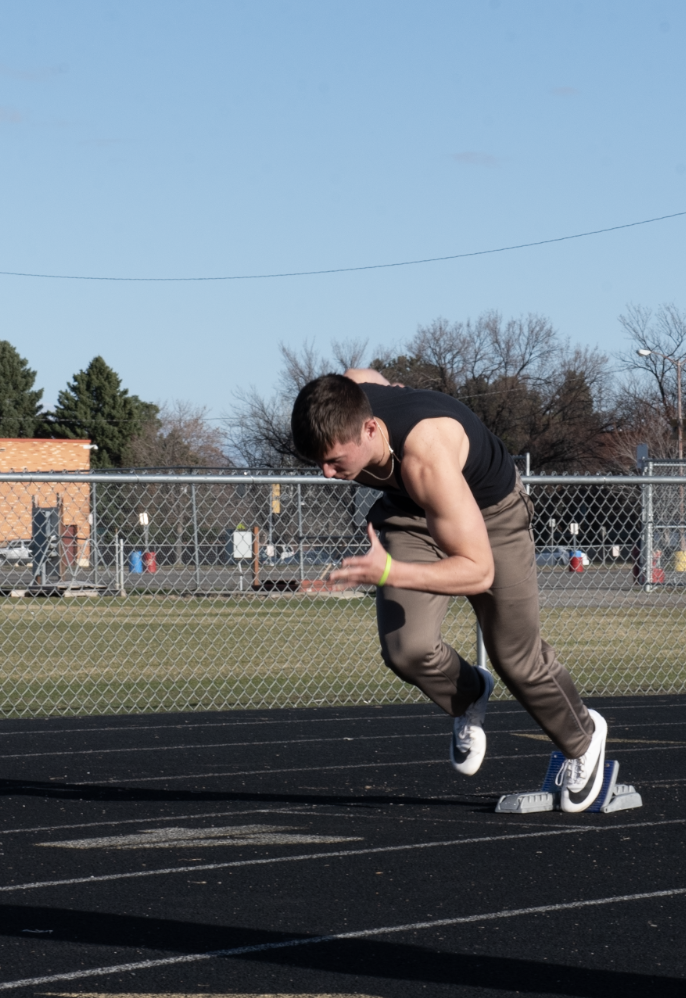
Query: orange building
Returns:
{"type": "Point", "coordinates": [17, 499]}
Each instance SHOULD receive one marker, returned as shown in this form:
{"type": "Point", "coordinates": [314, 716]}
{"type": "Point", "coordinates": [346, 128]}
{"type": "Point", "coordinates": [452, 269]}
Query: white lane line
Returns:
{"type": "Point", "coordinates": [432, 715]}
{"type": "Point", "coordinates": [144, 821]}
{"type": "Point", "coordinates": [293, 741]}
{"type": "Point", "coordinates": [369, 851]}
{"type": "Point", "coordinates": [385, 930]}
{"type": "Point", "coordinates": [351, 810]}
{"type": "Point", "coordinates": [213, 745]}
{"type": "Point", "coordinates": [355, 765]}
{"type": "Point", "coordinates": [237, 724]}
{"type": "Point", "coordinates": [531, 732]}
{"type": "Point", "coordinates": [296, 769]}
{"type": "Point", "coordinates": [641, 724]}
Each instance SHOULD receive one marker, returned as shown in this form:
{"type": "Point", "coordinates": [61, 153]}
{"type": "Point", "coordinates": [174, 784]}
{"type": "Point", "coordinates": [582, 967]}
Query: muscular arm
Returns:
{"type": "Point", "coordinates": [365, 376]}
{"type": "Point", "coordinates": [433, 477]}
{"type": "Point", "coordinates": [433, 458]}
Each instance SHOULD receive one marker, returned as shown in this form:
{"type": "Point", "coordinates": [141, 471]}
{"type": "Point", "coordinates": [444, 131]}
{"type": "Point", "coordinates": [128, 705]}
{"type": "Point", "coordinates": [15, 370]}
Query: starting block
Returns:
{"type": "Point", "coordinates": [613, 796]}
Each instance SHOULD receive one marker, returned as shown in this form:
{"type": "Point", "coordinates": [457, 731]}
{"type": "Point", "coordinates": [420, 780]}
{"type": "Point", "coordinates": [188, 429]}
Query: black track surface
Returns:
{"type": "Point", "coordinates": [375, 778]}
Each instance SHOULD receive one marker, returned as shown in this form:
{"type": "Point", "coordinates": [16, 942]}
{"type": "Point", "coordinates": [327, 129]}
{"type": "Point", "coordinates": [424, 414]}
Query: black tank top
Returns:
{"type": "Point", "coordinates": [489, 471]}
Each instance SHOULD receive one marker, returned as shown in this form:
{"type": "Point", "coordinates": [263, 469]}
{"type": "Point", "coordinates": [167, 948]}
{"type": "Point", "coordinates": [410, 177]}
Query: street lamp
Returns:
{"type": "Point", "coordinates": [643, 352]}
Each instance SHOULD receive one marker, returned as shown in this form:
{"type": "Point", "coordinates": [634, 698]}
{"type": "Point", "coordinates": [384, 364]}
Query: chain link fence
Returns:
{"type": "Point", "coordinates": [126, 593]}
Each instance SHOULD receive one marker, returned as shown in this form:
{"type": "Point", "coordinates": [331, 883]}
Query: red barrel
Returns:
{"type": "Point", "coordinates": [576, 562]}
{"type": "Point", "coordinates": [149, 561]}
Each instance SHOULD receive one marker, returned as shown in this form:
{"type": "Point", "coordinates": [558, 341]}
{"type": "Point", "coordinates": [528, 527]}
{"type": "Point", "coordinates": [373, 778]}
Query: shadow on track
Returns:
{"type": "Point", "coordinates": [369, 958]}
{"type": "Point", "coordinates": [80, 791]}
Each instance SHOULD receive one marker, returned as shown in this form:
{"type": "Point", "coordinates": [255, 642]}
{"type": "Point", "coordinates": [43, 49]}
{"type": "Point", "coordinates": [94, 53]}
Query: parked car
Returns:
{"type": "Point", "coordinates": [16, 553]}
{"type": "Point", "coordinates": [320, 556]}
{"type": "Point", "coordinates": [552, 556]}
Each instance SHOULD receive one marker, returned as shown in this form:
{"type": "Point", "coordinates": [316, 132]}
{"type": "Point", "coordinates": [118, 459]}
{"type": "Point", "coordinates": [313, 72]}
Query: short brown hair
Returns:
{"type": "Point", "coordinates": [331, 409]}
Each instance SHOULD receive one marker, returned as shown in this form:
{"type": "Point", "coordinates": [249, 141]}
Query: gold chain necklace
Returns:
{"type": "Point", "coordinates": [392, 454]}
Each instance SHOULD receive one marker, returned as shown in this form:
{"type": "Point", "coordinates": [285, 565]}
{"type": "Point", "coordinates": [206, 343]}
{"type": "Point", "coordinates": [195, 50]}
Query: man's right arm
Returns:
{"type": "Point", "coordinates": [365, 376]}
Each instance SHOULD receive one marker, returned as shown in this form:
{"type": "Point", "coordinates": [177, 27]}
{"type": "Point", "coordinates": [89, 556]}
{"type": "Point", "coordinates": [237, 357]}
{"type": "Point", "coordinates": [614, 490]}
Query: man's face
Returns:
{"type": "Point", "coordinates": [347, 460]}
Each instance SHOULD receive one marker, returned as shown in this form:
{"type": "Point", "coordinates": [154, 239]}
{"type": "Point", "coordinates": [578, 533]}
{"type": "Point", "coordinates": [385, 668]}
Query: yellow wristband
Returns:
{"type": "Point", "coordinates": [386, 572]}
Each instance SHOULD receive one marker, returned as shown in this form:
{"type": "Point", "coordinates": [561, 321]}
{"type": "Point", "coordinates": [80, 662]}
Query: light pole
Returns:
{"type": "Point", "coordinates": [679, 416]}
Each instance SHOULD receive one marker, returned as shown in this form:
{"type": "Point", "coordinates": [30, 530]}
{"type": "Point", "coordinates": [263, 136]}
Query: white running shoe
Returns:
{"type": "Point", "coordinates": [581, 779]}
{"type": "Point", "coordinates": [468, 742]}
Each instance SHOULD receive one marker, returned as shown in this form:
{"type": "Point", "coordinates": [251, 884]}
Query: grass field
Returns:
{"type": "Point", "coordinates": [166, 653]}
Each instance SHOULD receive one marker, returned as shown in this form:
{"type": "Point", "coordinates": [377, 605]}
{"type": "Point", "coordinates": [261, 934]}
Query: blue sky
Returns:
{"type": "Point", "coordinates": [210, 137]}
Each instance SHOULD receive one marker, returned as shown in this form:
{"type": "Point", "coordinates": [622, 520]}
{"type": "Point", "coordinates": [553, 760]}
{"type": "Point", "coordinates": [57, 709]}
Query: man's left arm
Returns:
{"type": "Point", "coordinates": [433, 478]}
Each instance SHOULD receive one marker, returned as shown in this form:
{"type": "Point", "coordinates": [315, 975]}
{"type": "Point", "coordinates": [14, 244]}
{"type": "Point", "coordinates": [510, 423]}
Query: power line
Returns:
{"type": "Point", "coordinates": [348, 270]}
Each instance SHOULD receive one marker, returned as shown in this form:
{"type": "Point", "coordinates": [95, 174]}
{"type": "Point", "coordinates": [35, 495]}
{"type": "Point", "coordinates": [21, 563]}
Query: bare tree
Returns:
{"type": "Point", "coordinates": [181, 435]}
{"type": "Point", "coordinates": [259, 429]}
{"type": "Point", "coordinates": [647, 397]}
{"type": "Point", "coordinates": [530, 388]}
{"type": "Point", "coordinates": [638, 421]}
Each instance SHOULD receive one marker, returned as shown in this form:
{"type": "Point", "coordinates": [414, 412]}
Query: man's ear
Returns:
{"type": "Point", "coordinates": [370, 428]}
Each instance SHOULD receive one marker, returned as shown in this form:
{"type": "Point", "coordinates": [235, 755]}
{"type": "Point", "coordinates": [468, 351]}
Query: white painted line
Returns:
{"type": "Point", "coordinates": [238, 724]}
{"type": "Point", "coordinates": [348, 719]}
{"type": "Point", "coordinates": [297, 769]}
{"type": "Point", "coordinates": [212, 745]}
{"type": "Point", "coordinates": [370, 851]}
{"type": "Point", "coordinates": [352, 810]}
{"type": "Point", "coordinates": [143, 821]}
{"type": "Point", "coordinates": [385, 930]}
{"type": "Point", "coordinates": [515, 757]}
{"type": "Point", "coordinates": [296, 741]}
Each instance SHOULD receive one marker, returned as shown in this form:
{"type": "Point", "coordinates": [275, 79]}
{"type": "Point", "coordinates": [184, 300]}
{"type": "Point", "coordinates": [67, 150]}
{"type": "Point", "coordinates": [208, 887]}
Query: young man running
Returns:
{"type": "Point", "coordinates": [454, 520]}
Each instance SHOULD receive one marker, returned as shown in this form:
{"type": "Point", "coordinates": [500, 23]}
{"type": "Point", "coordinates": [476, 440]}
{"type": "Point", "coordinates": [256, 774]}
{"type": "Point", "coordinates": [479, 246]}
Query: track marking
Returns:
{"type": "Point", "coordinates": [213, 745]}
{"type": "Point", "coordinates": [201, 994]}
{"type": "Point", "coordinates": [632, 741]}
{"type": "Point", "coordinates": [202, 838]}
{"type": "Point", "coordinates": [352, 810]}
{"type": "Point", "coordinates": [647, 724]}
{"type": "Point", "coordinates": [515, 732]}
{"type": "Point", "coordinates": [298, 769]}
{"type": "Point", "coordinates": [340, 853]}
{"type": "Point", "coordinates": [238, 724]}
{"type": "Point", "coordinates": [434, 715]}
{"type": "Point", "coordinates": [143, 821]}
{"type": "Point", "coordinates": [384, 930]}
{"type": "Point", "coordinates": [354, 765]}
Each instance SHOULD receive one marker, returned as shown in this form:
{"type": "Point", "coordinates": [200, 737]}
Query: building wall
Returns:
{"type": "Point", "coordinates": [16, 498]}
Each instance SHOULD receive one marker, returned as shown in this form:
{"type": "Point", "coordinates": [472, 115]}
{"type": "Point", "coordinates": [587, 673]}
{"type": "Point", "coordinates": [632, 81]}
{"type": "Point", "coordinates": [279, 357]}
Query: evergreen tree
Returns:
{"type": "Point", "coordinates": [94, 406]}
{"type": "Point", "coordinates": [20, 408]}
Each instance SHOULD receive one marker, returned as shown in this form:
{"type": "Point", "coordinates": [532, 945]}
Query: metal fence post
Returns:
{"type": "Point", "coordinates": [195, 538]}
{"type": "Point", "coordinates": [480, 647]}
{"type": "Point", "coordinates": [646, 566]}
{"type": "Point", "coordinates": [94, 532]}
{"type": "Point", "coordinates": [300, 534]}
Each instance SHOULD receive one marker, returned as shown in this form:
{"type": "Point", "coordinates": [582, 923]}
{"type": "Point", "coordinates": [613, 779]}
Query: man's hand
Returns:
{"type": "Point", "coordinates": [364, 570]}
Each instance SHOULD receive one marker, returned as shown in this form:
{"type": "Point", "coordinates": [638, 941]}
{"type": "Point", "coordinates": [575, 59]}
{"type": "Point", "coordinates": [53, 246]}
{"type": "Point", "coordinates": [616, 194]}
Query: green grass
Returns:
{"type": "Point", "coordinates": [165, 653]}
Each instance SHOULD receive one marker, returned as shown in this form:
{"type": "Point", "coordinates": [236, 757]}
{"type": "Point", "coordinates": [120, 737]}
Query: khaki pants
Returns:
{"type": "Point", "coordinates": [410, 624]}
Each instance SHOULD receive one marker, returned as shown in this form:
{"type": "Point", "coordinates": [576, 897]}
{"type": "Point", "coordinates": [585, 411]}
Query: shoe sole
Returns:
{"type": "Point", "coordinates": [570, 806]}
{"type": "Point", "coordinates": [472, 762]}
